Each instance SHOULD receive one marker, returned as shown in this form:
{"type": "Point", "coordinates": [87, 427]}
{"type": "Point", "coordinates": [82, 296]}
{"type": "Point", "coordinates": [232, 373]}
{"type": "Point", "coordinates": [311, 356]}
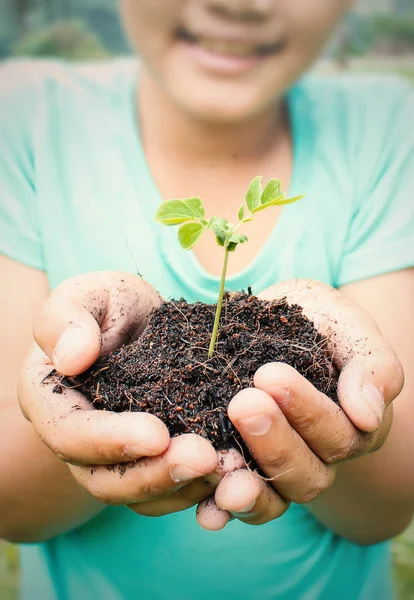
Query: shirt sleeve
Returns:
{"type": "Point", "coordinates": [20, 237]}
{"type": "Point", "coordinates": [381, 232]}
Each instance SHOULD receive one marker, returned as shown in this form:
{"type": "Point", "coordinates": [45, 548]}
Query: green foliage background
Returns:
{"type": "Point", "coordinates": [70, 40]}
{"type": "Point", "coordinates": [54, 27]}
{"type": "Point", "coordinates": [29, 27]}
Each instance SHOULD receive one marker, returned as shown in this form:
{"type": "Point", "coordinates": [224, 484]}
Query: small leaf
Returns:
{"type": "Point", "coordinates": [254, 193]}
{"type": "Point", "coordinates": [235, 240]}
{"type": "Point", "coordinates": [221, 228]}
{"type": "Point", "coordinates": [273, 202]}
{"type": "Point", "coordinates": [220, 239]}
{"type": "Point", "coordinates": [238, 238]}
{"type": "Point", "coordinates": [271, 191]}
{"type": "Point", "coordinates": [278, 202]}
{"type": "Point", "coordinates": [240, 214]}
{"type": "Point", "coordinates": [174, 212]}
{"type": "Point", "coordinates": [189, 234]}
{"type": "Point", "coordinates": [248, 219]}
{"type": "Point", "coordinates": [219, 223]}
{"type": "Point", "coordinates": [292, 200]}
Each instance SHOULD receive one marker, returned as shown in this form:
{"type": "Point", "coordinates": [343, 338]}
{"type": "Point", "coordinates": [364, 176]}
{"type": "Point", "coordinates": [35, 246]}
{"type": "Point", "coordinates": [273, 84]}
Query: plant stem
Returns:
{"type": "Point", "coordinates": [219, 305]}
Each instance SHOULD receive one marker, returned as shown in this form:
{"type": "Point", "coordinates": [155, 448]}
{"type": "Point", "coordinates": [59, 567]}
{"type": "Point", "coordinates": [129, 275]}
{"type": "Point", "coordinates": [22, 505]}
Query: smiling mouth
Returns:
{"type": "Point", "coordinates": [230, 48]}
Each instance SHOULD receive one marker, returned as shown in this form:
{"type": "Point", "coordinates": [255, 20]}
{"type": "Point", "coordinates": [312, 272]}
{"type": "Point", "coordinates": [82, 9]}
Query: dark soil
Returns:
{"type": "Point", "coordinates": [167, 371]}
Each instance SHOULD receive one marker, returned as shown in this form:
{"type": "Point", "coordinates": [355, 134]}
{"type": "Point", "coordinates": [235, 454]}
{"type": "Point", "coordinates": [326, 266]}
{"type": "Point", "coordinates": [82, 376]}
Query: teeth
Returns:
{"type": "Point", "coordinates": [231, 49]}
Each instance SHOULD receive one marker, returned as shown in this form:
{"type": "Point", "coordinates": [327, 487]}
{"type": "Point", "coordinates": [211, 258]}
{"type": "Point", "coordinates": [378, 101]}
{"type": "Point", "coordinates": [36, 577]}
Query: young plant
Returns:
{"type": "Point", "coordinates": [188, 213]}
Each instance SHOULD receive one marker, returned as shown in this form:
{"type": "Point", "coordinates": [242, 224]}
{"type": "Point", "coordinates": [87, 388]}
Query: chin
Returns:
{"type": "Point", "coordinates": [224, 108]}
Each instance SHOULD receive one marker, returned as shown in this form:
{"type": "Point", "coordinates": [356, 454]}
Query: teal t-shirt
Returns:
{"type": "Point", "coordinates": [76, 195]}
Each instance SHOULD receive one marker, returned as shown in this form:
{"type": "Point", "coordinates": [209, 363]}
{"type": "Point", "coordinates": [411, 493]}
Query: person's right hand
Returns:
{"type": "Point", "coordinates": [86, 317]}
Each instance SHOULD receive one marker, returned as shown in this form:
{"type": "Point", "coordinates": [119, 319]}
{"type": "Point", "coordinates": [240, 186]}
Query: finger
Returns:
{"type": "Point", "coordinates": [320, 422]}
{"type": "Point", "coordinates": [371, 374]}
{"type": "Point", "coordinates": [294, 470]}
{"type": "Point", "coordinates": [188, 457]}
{"type": "Point", "coordinates": [248, 498]}
{"type": "Point", "coordinates": [184, 498]}
{"type": "Point", "coordinates": [92, 314]}
{"type": "Point", "coordinates": [227, 461]}
{"type": "Point", "coordinates": [77, 433]}
{"type": "Point", "coordinates": [209, 516]}
{"type": "Point", "coordinates": [366, 388]}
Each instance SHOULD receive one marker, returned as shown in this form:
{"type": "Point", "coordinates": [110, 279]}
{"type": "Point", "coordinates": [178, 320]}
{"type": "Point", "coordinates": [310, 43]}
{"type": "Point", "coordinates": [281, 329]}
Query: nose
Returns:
{"type": "Point", "coordinates": [242, 10]}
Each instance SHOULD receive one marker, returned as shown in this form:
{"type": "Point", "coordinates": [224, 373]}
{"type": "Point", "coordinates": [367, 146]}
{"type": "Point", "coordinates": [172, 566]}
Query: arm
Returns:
{"type": "Point", "coordinates": [372, 498]}
{"type": "Point", "coordinates": [38, 496]}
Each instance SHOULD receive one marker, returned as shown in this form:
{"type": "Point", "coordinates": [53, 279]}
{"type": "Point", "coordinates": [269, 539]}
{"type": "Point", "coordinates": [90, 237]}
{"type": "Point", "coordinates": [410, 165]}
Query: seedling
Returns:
{"type": "Point", "coordinates": [188, 213]}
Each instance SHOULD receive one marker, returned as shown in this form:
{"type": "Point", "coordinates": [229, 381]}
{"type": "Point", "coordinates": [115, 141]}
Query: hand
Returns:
{"type": "Point", "coordinates": [85, 317]}
{"type": "Point", "coordinates": [297, 435]}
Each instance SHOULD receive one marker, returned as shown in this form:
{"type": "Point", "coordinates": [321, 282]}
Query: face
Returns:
{"type": "Point", "coordinates": [227, 60]}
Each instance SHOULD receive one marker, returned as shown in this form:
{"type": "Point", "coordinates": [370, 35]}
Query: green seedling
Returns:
{"type": "Point", "coordinates": [188, 213]}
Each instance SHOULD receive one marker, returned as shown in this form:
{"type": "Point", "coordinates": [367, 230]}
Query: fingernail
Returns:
{"type": "Point", "coordinates": [71, 342]}
{"type": "Point", "coordinates": [257, 425]}
{"type": "Point", "coordinates": [182, 473]}
{"type": "Point", "coordinates": [374, 398]}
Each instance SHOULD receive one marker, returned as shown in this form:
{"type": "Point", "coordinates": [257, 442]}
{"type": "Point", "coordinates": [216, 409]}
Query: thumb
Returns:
{"type": "Point", "coordinates": [68, 334]}
{"type": "Point", "coordinates": [90, 315]}
{"type": "Point", "coordinates": [367, 386]}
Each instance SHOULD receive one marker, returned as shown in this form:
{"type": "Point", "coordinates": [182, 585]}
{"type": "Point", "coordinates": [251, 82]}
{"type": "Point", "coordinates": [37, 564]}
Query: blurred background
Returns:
{"type": "Point", "coordinates": [377, 36]}
{"type": "Point", "coordinates": [378, 33]}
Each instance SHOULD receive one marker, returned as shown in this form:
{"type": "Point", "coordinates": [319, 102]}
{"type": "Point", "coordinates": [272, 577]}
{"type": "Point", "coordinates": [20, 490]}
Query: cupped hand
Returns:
{"type": "Point", "coordinates": [125, 458]}
{"type": "Point", "coordinates": [297, 435]}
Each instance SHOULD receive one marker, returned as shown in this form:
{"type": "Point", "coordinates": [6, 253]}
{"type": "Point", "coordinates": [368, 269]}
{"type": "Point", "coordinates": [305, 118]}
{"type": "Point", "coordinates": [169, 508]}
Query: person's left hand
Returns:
{"type": "Point", "coordinates": [296, 434]}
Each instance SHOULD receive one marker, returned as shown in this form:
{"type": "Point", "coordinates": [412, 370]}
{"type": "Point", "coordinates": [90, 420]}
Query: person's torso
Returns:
{"type": "Point", "coordinates": [96, 206]}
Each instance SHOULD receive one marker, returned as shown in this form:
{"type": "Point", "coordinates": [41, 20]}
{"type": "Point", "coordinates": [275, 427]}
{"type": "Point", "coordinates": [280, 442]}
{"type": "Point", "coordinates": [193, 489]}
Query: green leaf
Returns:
{"type": "Point", "coordinates": [271, 191]}
{"type": "Point", "coordinates": [248, 219]}
{"type": "Point", "coordinates": [278, 202]}
{"type": "Point", "coordinates": [292, 200]}
{"type": "Point", "coordinates": [220, 239]}
{"type": "Point", "coordinates": [189, 234]}
{"type": "Point", "coordinates": [174, 212]}
{"type": "Point", "coordinates": [240, 214]}
{"type": "Point", "coordinates": [221, 228]}
{"type": "Point", "coordinates": [235, 240]}
{"type": "Point", "coordinates": [254, 193]}
{"type": "Point", "coordinates": [218, 223]}
{"type": "Point", "coordinates": [238, 238]}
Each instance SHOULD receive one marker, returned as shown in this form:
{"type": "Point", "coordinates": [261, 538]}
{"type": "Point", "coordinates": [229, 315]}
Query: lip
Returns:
{"type": "Point", "coordinates": [227, 55]}
{"type": "Point", "coordinates": [230, 36]}
{"type": "Point", "coordinates": [225, 64]}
